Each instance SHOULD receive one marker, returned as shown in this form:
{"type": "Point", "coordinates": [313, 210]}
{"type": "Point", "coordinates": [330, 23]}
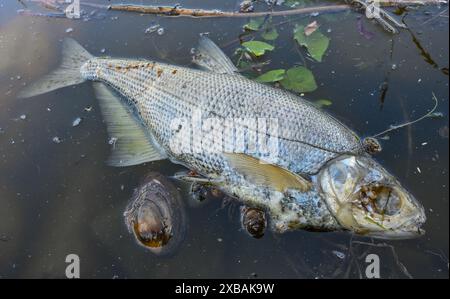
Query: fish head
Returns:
{"type": "Point", "coordinates": [366, 199]}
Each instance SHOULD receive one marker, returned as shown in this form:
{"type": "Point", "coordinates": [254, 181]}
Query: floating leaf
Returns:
{"type": "Point", "coordinates": [271, 76]}
{"type": "Point", "coordinates": [322, 102]}
{"type": "Point", "coordinates": [270, 34]}
{"type": "Point", "coordinates": [316, 43]}
{"type": "Point", "coordinates": [299, 79]}
{"type": "Point", "coordinates": [257, 48]}
{"type": "Point", "coordinates": [254, 24]}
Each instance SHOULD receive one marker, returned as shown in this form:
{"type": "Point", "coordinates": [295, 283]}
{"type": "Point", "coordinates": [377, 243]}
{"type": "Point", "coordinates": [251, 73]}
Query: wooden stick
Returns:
{"type": "Point", "coordinates": [178, 11]}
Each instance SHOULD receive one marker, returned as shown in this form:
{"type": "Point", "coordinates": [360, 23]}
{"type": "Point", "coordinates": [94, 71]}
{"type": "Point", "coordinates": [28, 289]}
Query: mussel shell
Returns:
{"type": "Point", "coordinates": [254, 221]}
{"type": "Point", "coordinates": [371, 145]}
{"type": "Point", "coordinates": [156, 215]}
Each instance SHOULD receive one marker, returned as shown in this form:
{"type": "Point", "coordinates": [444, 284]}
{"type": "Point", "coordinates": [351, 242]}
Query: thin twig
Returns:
{"type": "Point", "coordinates": [396, 127]}
{"type": "Point", "coordinates": [435, 17]}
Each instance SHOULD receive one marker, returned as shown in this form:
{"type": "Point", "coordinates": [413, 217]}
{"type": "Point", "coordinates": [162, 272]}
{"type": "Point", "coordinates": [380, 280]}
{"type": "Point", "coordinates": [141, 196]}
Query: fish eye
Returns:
{"type": "Point", "coordinates": [381, 200]}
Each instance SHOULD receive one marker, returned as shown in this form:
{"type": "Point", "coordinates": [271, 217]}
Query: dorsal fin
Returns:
{"type": "Point", "coordinates": [211, 58]}
{"type": "Point", "coordinates": [132, 144]}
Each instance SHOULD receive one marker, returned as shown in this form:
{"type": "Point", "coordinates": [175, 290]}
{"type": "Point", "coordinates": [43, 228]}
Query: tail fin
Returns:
{"type": "Point", "coordinates": [67, 74]}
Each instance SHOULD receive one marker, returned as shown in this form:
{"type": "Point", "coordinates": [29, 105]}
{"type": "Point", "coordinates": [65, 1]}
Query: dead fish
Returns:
{"type": "Point", "coordinates": [156, 215]}
{"type": "Point", "coordinates": [262, 145]}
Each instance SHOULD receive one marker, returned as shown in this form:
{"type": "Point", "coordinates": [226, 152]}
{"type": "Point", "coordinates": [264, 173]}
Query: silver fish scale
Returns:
{"type": "Point", "coordinates": [307, 138]}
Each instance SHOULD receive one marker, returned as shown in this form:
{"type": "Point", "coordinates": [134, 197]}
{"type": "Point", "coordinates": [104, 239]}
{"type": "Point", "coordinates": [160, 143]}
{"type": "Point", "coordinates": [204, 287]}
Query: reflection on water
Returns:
{"type": "Point", "coordinates": [60, 198]}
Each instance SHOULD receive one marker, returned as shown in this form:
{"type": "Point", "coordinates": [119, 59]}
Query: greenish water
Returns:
{"type": "Point", "coordinates": [57, 199]}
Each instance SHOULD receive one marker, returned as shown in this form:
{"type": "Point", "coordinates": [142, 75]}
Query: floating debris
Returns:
{"type": "Point", "coordinates": [88, 108]}
{"type": "Point", "coordinates": [418, 170]}
{"type": "Point", "coordinates": [274, 2]}
{"type": "Point", "coordinates": [152, 29]}
{"type": "Point", "coordinates": [29, 13]}
{"type": "Point", "coordinates": [160, 31]}
{"type": "Point", "coordinates": [56, 140]}
{"type": "Point", "coordinates": [76, 122]}
{"type": "Point", "coordinates": [69, 30]}
{"type": "Point", "coordinates": [443, 132]}
{"type": "Point", "coordinates": [338, 254]}
{"type": "Point", "coordinates": [112, 141]}
{"type": "Point", "coordinates": [436, 115]}
{"type": "Point", "coordinates": [362, 30]}
{"type": "Point", "coordinates": [103, 50]}
{"type": "Point", "coordinates": [246, 6]}
{"type": "Point", "coordinates": [310, 28]}
{"type": "Point", "coordinates": [23, 117]}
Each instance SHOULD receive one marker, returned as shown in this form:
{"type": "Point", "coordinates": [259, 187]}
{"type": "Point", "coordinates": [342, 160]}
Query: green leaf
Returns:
{"type": "Point", "coordinates": [254, 24]}
{"type": "Point", "coordinates": [299, 79]}
{"type": "Point", "coordinates": [270, 34]}
{"type": "Point", "coordinates": [316, 43]}
{"type": "Point", "coordinates": [257, 48]}
{"type": "Point", "coordinates": [322, 102]}
{"type": "Point", "coordinates": [271, 76]}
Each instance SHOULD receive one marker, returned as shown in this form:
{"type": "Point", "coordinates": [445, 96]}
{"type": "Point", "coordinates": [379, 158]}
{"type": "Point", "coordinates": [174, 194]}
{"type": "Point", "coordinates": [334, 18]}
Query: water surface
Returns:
{"type": "Point", "coordinates": [61, 198]}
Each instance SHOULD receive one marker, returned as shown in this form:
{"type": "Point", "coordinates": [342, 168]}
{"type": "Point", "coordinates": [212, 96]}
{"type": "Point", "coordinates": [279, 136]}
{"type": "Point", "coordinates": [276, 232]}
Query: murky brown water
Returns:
{"type": "Point", "coordinates": [57, 199]}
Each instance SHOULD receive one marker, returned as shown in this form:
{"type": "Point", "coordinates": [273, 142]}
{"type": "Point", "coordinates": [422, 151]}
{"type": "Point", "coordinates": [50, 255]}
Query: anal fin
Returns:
{"type": "Point", "coordinates": [131, 142]}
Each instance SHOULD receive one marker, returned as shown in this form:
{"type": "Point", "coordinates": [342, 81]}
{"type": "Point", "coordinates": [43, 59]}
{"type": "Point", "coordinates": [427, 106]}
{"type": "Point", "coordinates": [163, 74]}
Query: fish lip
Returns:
{"type": "Point", "coordinates": [398, 235]}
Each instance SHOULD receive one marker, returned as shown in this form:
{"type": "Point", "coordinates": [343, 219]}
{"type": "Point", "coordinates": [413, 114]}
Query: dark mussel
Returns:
{"type": "Point", "coordinates": [156, 215]}
{"type": "Point", "coordinates": [254, 221]}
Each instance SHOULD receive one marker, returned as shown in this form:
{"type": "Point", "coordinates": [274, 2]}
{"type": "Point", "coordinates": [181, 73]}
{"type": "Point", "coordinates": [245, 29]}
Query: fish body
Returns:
{"type": "Point", "coordinates": [263, 145]}
{"type": "Point", "coordinates": [165, 96]}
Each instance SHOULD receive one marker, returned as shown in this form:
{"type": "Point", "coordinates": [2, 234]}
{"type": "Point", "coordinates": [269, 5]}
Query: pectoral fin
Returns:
{"type": "Point", "coordinates": [131, 142]}
{"type": "Point", "coordinates": [267, 174]}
